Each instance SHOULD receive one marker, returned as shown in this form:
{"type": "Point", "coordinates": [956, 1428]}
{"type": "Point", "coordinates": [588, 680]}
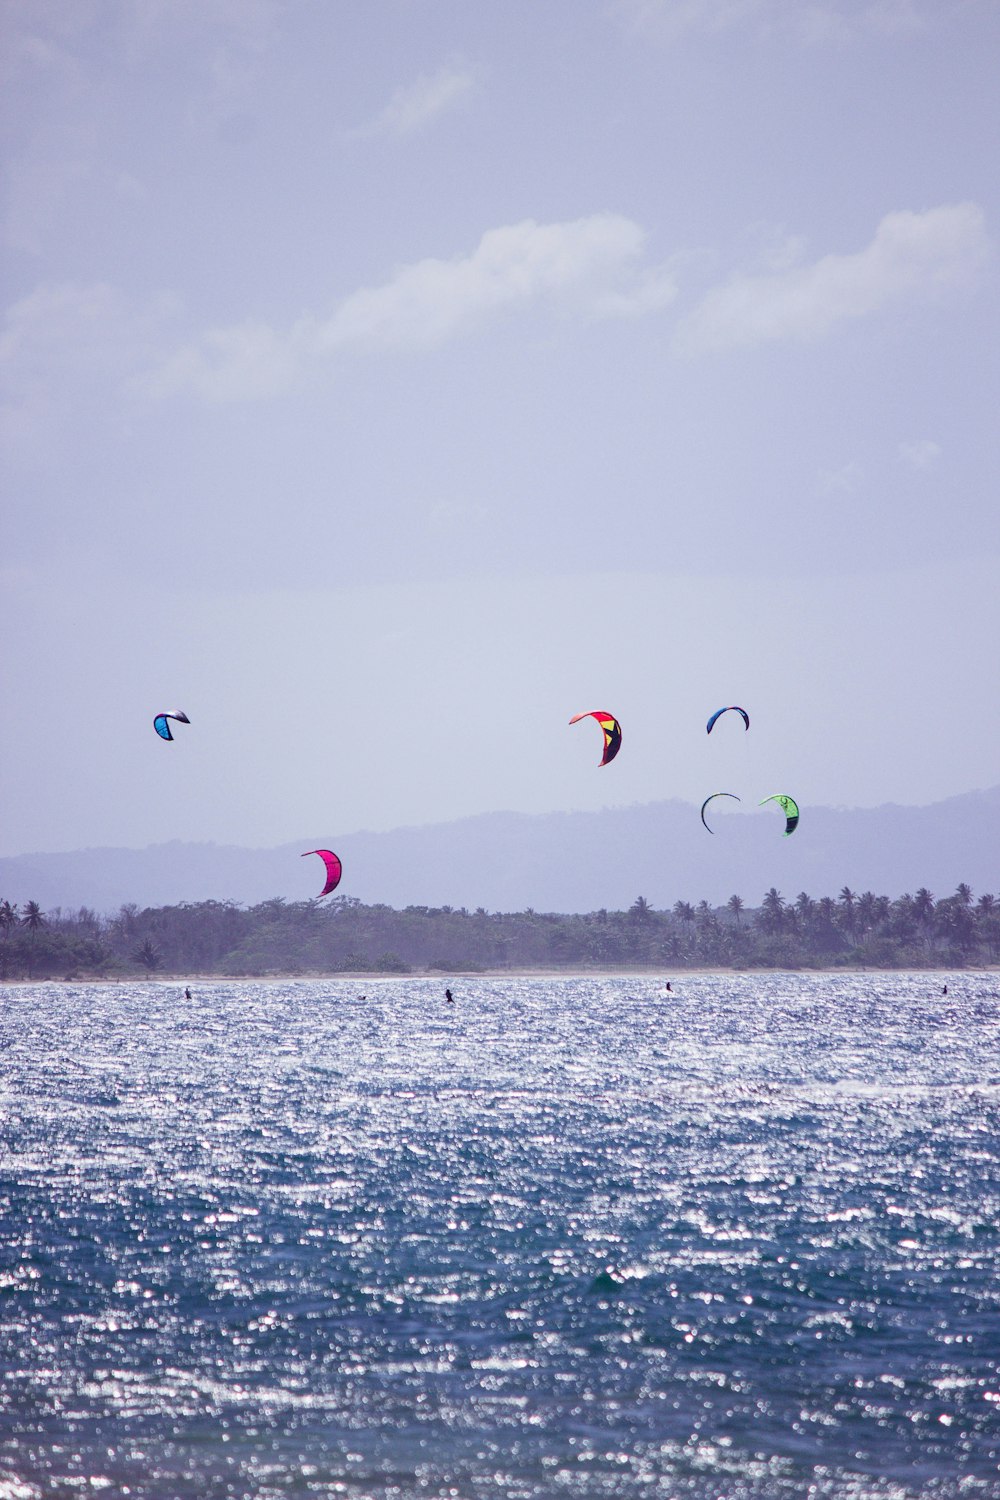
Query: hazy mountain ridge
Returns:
{"type": "Point", "coordinates": [566, 861]}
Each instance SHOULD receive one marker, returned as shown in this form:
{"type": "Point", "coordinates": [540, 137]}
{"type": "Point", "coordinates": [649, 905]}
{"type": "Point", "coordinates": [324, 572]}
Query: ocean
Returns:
{"type": "Point", "coordinates": [568, 1237]}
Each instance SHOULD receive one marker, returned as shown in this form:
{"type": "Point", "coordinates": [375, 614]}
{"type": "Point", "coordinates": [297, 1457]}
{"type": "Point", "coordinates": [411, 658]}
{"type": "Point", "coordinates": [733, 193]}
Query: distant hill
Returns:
{"type": "Point", "coordinates": [573, 861]}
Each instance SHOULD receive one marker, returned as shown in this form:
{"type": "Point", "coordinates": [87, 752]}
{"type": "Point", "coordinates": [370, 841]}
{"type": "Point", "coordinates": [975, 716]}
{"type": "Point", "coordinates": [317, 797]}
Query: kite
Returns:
{"type": "Point", "coordinates": [334, 869]}
{"type": "Point", "coordinates": [612, 732]}
{"type": "Point", "coordinates": [789, 807]}
{"type": "Point", "coordinates": [712, 799]}
{"type": "Point", "coordinates": [732, 709]}
{"type": "Point", "coordinates": [163, 728]}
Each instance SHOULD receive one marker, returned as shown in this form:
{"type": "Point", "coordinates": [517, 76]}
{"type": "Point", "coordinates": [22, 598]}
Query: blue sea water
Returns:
{"type": "Point", "coordinates": [568, 1237]}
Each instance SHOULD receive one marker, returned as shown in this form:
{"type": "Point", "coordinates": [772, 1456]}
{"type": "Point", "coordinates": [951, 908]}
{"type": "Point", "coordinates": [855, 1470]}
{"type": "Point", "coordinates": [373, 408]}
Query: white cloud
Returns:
{"type": "Point", "coordinates": [911, 254]}
{"type": "Point", "coordinates": [772, 248]}
{"type": "Point", "coordinates": [589, 267]}
{"type": "Point", "coordinates": [414, 106]}
{"type": "Point", "coordinates": [587, 263]}
{"type": "Point", "coordinates": [919, 455]}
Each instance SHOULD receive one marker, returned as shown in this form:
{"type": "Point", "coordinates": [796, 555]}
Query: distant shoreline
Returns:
{"type": "Point", "coordinates": [371, 976]}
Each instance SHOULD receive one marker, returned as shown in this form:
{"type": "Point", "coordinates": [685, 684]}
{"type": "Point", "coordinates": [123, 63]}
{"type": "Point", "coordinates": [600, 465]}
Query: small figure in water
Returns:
{"type": "Point", "coordinates": [187, 992]}
{"type": "Point", "coordinates": [945, 990]}
{"type": "Point", "coordinates": [667, 988]}
{"type": "Point", "coordinates": [449, 997]}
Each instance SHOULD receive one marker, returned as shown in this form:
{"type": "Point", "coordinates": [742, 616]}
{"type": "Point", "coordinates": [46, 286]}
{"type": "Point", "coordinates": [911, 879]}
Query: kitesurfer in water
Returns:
{"type": "Point", "coordinates": [667, 988]}
{"type": "Point", "coordinates": [449, 997]}
{"type": "Point", "coordinates": [187, 992]}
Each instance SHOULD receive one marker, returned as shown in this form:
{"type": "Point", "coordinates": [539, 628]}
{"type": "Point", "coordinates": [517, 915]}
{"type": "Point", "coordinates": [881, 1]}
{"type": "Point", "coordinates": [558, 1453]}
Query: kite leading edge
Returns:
{"type": "Point", "coordinates": [712, 799]}
{"type": "Point", "coordinates": [733, 708]}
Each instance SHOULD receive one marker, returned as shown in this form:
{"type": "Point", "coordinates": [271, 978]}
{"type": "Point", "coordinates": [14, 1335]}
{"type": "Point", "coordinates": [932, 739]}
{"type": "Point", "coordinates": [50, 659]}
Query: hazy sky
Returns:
{"type": "Point", "coordinates": [386, 381]}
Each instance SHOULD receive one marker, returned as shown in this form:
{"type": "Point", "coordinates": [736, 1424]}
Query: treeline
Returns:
{"type": "Point", "coordinates": [345, 936]}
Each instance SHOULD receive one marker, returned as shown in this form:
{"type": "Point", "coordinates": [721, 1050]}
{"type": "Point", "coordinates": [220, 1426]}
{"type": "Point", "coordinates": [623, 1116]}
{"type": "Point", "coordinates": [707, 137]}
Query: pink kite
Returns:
{"type": "Point", "coordinates": [334, 869]}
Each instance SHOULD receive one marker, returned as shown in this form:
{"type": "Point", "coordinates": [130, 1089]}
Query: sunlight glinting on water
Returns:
{"type": "Point", "coordinates": [566, 1237]}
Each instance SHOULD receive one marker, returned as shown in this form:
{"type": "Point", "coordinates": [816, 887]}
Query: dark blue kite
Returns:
{"type": "Point", "coordinates": [163, 728]}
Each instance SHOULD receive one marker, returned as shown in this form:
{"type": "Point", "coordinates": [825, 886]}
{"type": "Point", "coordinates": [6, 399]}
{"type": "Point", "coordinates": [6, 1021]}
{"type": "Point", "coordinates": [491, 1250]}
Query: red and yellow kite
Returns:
{"type": "Point", "coordinates": [612, 732]}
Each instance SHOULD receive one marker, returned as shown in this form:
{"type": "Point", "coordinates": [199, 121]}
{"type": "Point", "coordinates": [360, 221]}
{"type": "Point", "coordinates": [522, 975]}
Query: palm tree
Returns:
{"type": "Point", "coordinates": [772, 911]}
{"type": "Point", "coordinates": [902, 917]}
{"type": "Point", "coordinates": [846, 899]}
{"type": "Point", "coordinates": [923, 910]}
{"type": "Point", "coordinates": [32, 918]}
{"type": "Point", "coordinates": [708, 922]}
{"type": "Point", "coordinates": [8, 919]}
{"type": "Point", "coordinates": [964, 894]}
{"type": "Point", "coordinates": [988, 922]}
{"type": "Point", "coordinates": [955, 922]}
{"type": "Point", "coordinates": [866, 909]}
{"type": "Point", "coordinates": [735, 905]}
{"type": "Point", "coordinates": [684, 910]}
{"type": "Point", "coordinates": [923, 905]}
{"type": "Point", "coordinates": [640, 909]}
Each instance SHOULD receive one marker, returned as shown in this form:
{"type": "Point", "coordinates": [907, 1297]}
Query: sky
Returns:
{"type": "Point", "coordinates": [385, 384]}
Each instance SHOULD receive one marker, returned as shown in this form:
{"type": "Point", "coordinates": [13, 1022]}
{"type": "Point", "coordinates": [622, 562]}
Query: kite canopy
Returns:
{"type": "Point", "coordinates": [163, 728]}
{"type": "Point", "coordinates": [732, 709]}
{"type": "Point", "coordinates": [334, 869]}
{"type": "Point", "coordinates": [612, 732]}
{"type": "Point", "coordinates": [712, 799]}
{"type": "Point", "coordinates": [789, 807]}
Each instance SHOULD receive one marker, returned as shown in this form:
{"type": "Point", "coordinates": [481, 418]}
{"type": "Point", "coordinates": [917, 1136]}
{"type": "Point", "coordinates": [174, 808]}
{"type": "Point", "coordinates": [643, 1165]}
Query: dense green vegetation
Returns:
{"type": "Point", "coordinates": [344, 936]}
